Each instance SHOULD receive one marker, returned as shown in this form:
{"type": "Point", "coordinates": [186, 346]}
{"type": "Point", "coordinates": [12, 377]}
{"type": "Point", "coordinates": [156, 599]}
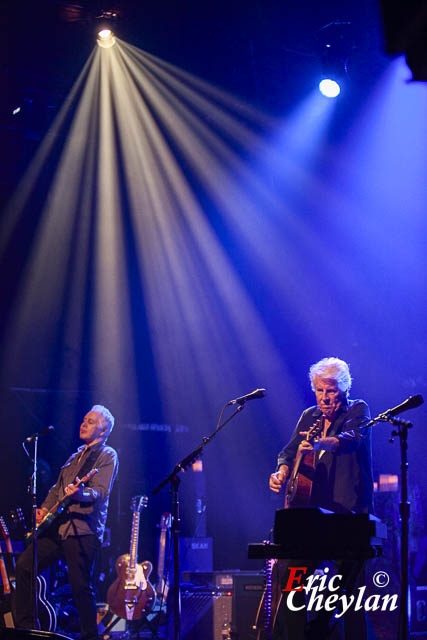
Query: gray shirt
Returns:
{"type": "Point", "coordinates": [89, 517]}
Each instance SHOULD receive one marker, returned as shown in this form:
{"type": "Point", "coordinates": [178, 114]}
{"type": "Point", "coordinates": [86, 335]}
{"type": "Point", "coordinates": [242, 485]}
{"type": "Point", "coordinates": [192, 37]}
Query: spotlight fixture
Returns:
{"type": "Point", "coordinates": [107, 21]}
{"type": "Point", "coordinates": [105, 38]}
{"type": "Point", "coordinates": [329, 88]}
{"type": "Point", "coordinates": [335, 43]}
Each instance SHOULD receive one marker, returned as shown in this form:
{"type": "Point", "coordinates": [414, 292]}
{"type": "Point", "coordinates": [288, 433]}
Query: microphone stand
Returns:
{"type": "Point", "coordinates": [174, 480]}
{"type": "Point", "coordinates": [404, 509]}
{"type": "Point", "coordinates": [33, 489]}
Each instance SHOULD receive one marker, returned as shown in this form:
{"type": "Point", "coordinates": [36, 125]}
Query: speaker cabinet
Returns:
{"type": "Point", "coordinates": [247, 593]}
{"type": "Point", "coordinates": [220, 605]}
{"type": "Point", "coordinates": [205, 614]}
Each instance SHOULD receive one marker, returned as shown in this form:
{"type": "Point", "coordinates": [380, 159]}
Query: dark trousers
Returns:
{"type": "Point", "coordinates": [291, 625]}
{"type": "Point", "coordinates": [79, 553]}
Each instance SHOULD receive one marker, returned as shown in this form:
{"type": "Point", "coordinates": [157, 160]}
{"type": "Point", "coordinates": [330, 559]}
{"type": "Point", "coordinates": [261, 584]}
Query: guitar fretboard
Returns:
{"type": "Point", "coordinates": [134, 540]}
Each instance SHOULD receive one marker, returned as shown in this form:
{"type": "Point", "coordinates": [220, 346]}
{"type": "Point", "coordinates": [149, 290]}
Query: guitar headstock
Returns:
{"type": "Point", "coordinates": [165, 521]}
{"type": "Point", "coordinates": [138, 503]}
{"type": "Point", "coordinates": [4, 529]}
{"type": "Point", "coordinates": [315, 430]}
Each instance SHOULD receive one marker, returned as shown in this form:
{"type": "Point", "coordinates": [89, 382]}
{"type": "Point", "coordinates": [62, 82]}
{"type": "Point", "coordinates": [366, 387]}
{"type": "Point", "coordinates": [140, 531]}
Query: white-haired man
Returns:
{"type": "Point", "coordinates": [77, 533]}
{"type": "Point", "coordinates": [342, 475]}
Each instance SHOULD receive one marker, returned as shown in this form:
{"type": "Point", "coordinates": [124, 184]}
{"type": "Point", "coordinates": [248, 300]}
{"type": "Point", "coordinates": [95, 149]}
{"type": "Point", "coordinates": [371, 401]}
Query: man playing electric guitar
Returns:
{"type": "Point", "coordinates": [341, 477]}
{"type": "Point", "coordinates": [78, 531]}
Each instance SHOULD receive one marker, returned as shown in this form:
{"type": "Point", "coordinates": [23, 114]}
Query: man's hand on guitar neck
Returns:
{"type": "Point", "coordinates": [40, 514]}
{"type": "Point", "coordinates": [330, 443]}
{"type": "Point", "coordinates": [278, 479]}
{"type": "Point", "coordinates": [79, 492]}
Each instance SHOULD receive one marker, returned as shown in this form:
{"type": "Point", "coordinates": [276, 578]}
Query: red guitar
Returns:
{"type": "Point", "coordinates": [131, 594]}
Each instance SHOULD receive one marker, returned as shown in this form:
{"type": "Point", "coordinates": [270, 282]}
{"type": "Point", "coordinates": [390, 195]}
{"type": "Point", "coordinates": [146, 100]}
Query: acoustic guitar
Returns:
{"type": "Point", "coordinates": [300, 481]}
{"type": "Point", "coordinates": [131, 594]}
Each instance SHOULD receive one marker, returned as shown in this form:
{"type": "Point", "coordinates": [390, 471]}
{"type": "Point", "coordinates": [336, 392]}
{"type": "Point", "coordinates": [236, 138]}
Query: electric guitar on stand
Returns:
{"type": "Point", "coordinates": [162, 585]}
{"type": "Point", "coordinates": [131, 594]}
{"type": "Point", "coordinates": [6, 606]}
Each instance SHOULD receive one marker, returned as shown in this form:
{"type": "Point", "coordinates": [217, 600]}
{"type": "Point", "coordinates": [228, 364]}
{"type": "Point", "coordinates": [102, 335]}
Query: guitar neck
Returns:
{"type": "Point", "coordinates": [161, 560]}
{"type": "Point", "coordinates": [3, 567]}
{"type": "Point", "coordinates": [134, 540]}
{"type": "Point", "coordinates": [4, 576]}
{"type": "Point", "coordinates": [65, 499]}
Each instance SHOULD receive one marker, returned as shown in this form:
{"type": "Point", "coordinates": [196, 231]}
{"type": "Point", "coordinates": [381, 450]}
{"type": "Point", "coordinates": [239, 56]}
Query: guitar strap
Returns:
{"type": "Point", "coordinates": [89, 463]}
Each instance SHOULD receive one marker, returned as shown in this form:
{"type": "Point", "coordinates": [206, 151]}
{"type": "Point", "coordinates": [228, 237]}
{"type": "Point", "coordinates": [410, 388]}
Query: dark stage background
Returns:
{"type": "Point", "coordinates": [331, 260]}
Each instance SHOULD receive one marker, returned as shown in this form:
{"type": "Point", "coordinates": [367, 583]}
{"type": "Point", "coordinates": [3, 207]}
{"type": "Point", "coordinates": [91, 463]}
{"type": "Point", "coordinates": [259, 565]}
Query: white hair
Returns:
{"type": "Point", "coordinates": [334, 369]}
{"type": "Point", "coordinates": [108, 417]}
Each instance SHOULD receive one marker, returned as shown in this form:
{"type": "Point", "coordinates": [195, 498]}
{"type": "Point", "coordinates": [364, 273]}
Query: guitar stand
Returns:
{"type": "Point", "coordinates": [143, 622]}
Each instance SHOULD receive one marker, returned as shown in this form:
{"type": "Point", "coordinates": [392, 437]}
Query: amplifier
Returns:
{"type": "Point", "coordinates": [196, 554]}
{"type": "Point", "coordinates": [220, 605]}
{"type": "Point", "coordinates": [419, 609]}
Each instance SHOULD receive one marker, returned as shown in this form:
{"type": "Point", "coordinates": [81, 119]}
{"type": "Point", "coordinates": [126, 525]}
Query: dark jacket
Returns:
{"type": "Point", "coordinates": [343, 479]}
{"type": "Point", "coordinates": [81, 518]}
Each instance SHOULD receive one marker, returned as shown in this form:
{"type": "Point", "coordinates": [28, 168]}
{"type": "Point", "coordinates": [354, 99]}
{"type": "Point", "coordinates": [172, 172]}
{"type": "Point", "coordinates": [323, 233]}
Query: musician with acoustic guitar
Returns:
{"type": "Point", "coordinates": [327, 463]}
{"type": "Point", "coordinates": [71, 523]}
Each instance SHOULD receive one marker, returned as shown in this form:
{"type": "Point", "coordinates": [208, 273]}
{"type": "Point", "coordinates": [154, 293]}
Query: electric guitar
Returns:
{"type": "Point", "coordinates": [58, 507]}
{"type": "Point", "coordinates": [131, 594]}
{"type": "Point", "coordinates": [162, 586]}
{"type": "Point", "coordinates": [46, 612]}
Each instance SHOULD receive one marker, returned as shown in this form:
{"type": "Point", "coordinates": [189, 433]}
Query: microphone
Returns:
{"type": "Point", "coordinates": [33, 436]}
{"type": "Point", "coordinates": [410, 403]}
{"type": "Point", "coordinates": [258, 393]}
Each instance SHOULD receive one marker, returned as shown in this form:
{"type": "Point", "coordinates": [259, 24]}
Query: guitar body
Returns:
{"type": "Point", "coordinates": [46, 612]}
{"type": "Point", "coordinates": [300, 484]}
{"type": "Point", "coordinates": [130, 596]}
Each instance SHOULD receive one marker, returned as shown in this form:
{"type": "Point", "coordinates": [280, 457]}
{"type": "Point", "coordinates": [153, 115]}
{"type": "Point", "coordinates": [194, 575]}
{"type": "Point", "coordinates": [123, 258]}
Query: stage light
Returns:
{"type": "Point", "coordinates": [335, 42]}
{"type": "Point", "coordinates": [329, 88]}
{"type": "Point", "coordinates": [106, 38]}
